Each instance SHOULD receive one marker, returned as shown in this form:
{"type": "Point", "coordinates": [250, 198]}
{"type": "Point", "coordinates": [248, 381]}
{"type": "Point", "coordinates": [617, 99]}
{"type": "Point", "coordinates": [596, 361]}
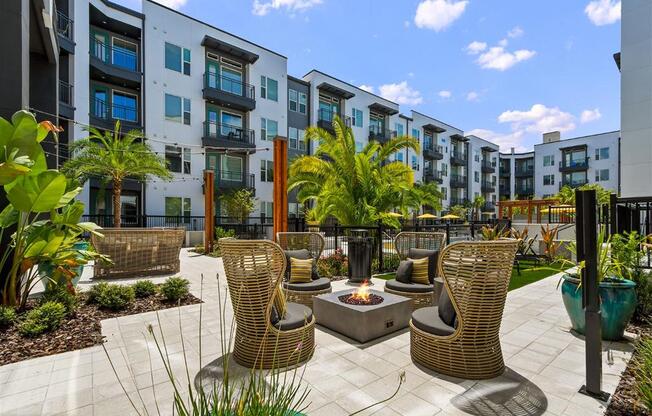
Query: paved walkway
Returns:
{"type": "Point", "coordinates": [545, 364]}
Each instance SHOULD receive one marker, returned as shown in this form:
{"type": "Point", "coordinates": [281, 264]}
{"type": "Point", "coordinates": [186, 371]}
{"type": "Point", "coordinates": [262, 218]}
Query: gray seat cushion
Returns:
{"type": "Point", "coordinates": [404, 271]}
{"type": "Point", "coordinates": [319, 284]}
{"type": "Point", "coordinates": [428, 320]}
{"type": "Point", "coordinates": [296, 316]}
{"type": "Point", "coordinates": [446, 310]}
{"type": "Point", "coordinates": [432, 255]}
{"type": "Point", "coordinates": [408, 287]}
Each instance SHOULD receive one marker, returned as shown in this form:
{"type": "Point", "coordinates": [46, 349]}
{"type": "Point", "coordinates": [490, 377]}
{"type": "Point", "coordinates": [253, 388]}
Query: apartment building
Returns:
{"type": "Point", "coordinates": [483, 164]}
{"type": "Point", "coordinates": [555, 163]}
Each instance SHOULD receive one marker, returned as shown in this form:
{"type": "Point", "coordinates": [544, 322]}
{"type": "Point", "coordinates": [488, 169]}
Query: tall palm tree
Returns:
{"type": "Point", "coordinates": [477, 204]}
{"type": "Point", "coordinates": [114, 157]}
{"type": "Point", "coordinates": [357, 188]}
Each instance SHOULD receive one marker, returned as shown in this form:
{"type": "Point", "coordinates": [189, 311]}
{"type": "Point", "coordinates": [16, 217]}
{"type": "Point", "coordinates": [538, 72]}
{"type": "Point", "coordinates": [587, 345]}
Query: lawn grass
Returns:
{"type": "Point", "coordinates": [530, 273]}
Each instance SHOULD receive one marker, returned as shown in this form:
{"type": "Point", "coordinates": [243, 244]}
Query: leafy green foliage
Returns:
{"type": "Point", "coordinates": [239, 204]}
{"type": "Point", "coordinates": [643, 370]}
{"type": "Point", "coordinates": [7, 316]}
{"type": "Point", "coordinates": [60, 294]}
{"type": "Point", "coordinates": [493, 233]}
{"type": "Point", "coordinates": [643, 280]}
{"type": "Point", "coordinates": [95, 291]}
{"type": "Point", "coordinates": [222, 233]}
{"type": "Point", "coordinates": [477, 204]}
{"type": "Point", "coordinates": [608, 267]}
{"type": "Point", "coordinates": [44, 318]}
{"type": "Point", "coordinates": [357, 188]}
{"type": "Point", "coordinates": [337, 264]}
{"type": "Point", "coordinates": [115, 297]}
{"type": "Point", "coordinates": [459, 210]}
{"type": "Point", "coordinates": [144, 288]}
{"type": "Point", "coordinates": [175, 288]}
{"type": "Point", "coordinates": [626, 251]}
{"type": "Point", "coordinates": [566, 194]}
{"type": "Point", "coordinates": [549, 238]}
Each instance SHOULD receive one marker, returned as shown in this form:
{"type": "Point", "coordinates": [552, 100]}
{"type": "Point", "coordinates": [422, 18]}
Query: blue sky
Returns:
{"type": "Point", "coordinates": [506, 70]}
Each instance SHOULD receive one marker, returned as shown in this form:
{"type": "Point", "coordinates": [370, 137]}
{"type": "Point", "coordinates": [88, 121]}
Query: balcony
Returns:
{"type": "Point", "coordinates": [229, 92]}
{"type": "Point", "coordinates": [487, 187]}
{"type": "Point", "coordinates": [325, 119]}
{"type": "Point", "coordinates": [524, 190]}
{"type": "Point", "coordinates": [381, 134]}
{"type": "Point", "coordinates": [488, 207]}
{"type": "Point", "coordinates": [227, 136]}
{"type": "Point", "coordinates": [504, 190]}
{"type": "Point", "coordinates": [573, 184]}
{"type": "Point", "coordinates": [64, 29]}
{"type": "Point", "coordinates": [66, 106]}
{"type": "Point", "coordinates": [488, 167]}
{"type": "Point", "coordinates": [574, 165]}
{"type": "Point", "coordinates": [103, 115]}
{"type": "Point", "coordinates": [232, 180]}
{"type": "Point", "coordinates": [433, 152]}
{"type": "Point", "coordinates": [458, 181]}
{"type": "Point", "coordinates": [430, 175]}
{"type": "Point", "coordinates": [458, 158]}
{"type": "Point", "coordinates": [504, 171]}
{"type": "Point", "coordinates": [114, 64]}
{"type": "Point", "coordinates": [522, 171]}
{"type": "Point", "coordinates": [458, 201]}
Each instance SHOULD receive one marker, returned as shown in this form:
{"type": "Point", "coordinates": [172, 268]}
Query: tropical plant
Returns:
{"type": "Point", "coordinates": [7, 316]}
{"type": "Point", "coordinates": [626, 250]}
{"type": "Point", "coordinates": [113, 157]}
{"type": "Point", "coordinates": [60, 294]}
{"type": "Point", "coordinates": [524, 241]}
{"type": "Point", "coordinates": [239, 204]}
{"type": "Point", "coordinates": [549, 238]}
{"type": "Point", "coordinates": [608, 267]}
{"type": "Point", "coordinates": [642, 365]}
{"type": "Point", "coordinates": [476, 205]}
{"type": "Point", "coordinates": [33, 191]}
{"type": "Point", "coordinates": [357, 188]}
{"type": "Point", "coordinates": [459, 210]}
{"type": "Point", "coordinates": [566, 195]}
{"type": "Point", "coordinates": [493, 233]}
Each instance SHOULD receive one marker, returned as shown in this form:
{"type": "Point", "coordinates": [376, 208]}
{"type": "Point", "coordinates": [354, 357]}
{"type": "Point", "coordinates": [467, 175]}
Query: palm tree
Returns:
{"type": "Point", "coordinates": [356, 188]}
{"type": "Point", "coordinates": [114, 157]}
{"type": "Point", "coordinates": [477, 204]}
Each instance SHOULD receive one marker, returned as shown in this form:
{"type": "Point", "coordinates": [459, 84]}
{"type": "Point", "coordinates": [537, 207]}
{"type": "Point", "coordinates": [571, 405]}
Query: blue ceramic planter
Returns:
{"type": "Point", "coordinates": [617, 305]}
{"type": "Point", "coordinates": [47, 269]}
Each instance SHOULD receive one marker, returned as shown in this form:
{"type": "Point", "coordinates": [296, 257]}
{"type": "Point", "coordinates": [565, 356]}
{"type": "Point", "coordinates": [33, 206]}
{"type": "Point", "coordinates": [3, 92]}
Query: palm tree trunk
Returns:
{"type": "Point", "coordinates": [117, 190]}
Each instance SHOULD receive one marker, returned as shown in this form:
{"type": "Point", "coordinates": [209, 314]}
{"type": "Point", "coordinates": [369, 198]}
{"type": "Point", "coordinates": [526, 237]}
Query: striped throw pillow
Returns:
{"type": "Point", "coordinates": [420, 271]}
{"type": "Point", "coordinates": [280, 303]}
{"type": "Point", "coordinates": [300, 270]}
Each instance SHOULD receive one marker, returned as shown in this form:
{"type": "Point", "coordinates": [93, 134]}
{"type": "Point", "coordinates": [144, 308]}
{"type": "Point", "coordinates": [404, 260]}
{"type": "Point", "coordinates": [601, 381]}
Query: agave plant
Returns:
{"type": "Point", "coordinates": [608, 267]}
{"type": "Point", "coordinates": [549, 238]}
{"type": "Point", "coordinates": [494, 233]}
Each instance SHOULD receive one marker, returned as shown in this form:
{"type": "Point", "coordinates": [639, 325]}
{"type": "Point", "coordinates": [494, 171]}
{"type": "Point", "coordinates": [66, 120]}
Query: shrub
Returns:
{"type": "Point", "coordinates": [46, 317]}
{"type": "Point", "coordinates": [7, 316]}
{"type": "Point", "coordinates": [60, 294]}
{"type": "Point", "coordinates": [175, 288]}
{"type": "Point", "coordinates": [390, 263]}
{"type": "Point", "coordinates": [96, 291]}
{"type": "Point", "coordinates": [643, 371]}
{"type": "Point", "coordinates": [337, 264]}
{"type": "Point", "coordinates": [144, 288]}
{"type": "Point", "coordinates": [643, 282]}
{"type": "Point", "coordinates": [115, 297]}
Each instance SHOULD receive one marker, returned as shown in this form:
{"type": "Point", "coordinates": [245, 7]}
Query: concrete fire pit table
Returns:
{"type": "Point", "coordinates": [362, 323]}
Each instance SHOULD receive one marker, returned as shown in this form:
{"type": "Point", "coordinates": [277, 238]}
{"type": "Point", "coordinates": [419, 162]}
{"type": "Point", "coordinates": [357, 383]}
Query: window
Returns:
{"type": "Point", "coordinates": [231, 168]}
{"type": "Point", "coordinates": [186, 111]}
{"type": "Point", "coordinates": [415, 133]}
{"type": "Point", "coordinates": [176, 108]}
{"type": "Point", "coordinates": [297, 139]}
{"type": "Point", "coordinates": [444, 169]}
{"type": "Point", "coordinates": [124, 54]}
{"type": "Point", "coordinates": [476, 156]}
{"type": "Point", "coordinates": [549, 160]}
{"type": "Point", "coordinates": [357, 117]}
{"type": "Point", "coordinates": [548, 179]}
{"type": "Point", "coordinates": [302, 140]}
{"type": "Point", "coordinates": [602, 175]}
{"type": "Point", "coordinates": [177, 58]}
{"type": "Point", "coordinates": [173, 158]}
{"type": "Point", "coordinates": [266, 171]}
{"type": "Point", "coordinates": [415, 163]}
{"type": "Point", "coordinates": [267, 209]}
{"type": "Point", "coordinates": [293, 99]}
{"type": "Point", "coordinates": [358, 146]}
{"type": "Point", "coordinates": [444, 193]}
{"type": "Point", "coordinates": [602, 153]}
{"type": "Point", "coordinates": [476, 176]}
{"type": "Point", "coordinates": [268, 129]}
{"type": "Point", "coordinates": [125, 106]}
{"type": "Point", "coordinates": [268, 88]}
{"type": "Point", "coordinates": [399, 129]}
{"type": "Point", "coordinates": [186, 160]}
{"type": "Point", "coordinates": [399, 157]}
{"type": "Point", "coordinates": [177, 206]}
{"type": "Point", "coordinates": [303, 103]}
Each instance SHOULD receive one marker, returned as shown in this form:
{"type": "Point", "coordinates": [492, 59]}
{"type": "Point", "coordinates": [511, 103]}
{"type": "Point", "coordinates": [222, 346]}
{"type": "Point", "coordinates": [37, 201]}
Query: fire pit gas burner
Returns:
{"type": "Point", "coordinates": [361, 297]}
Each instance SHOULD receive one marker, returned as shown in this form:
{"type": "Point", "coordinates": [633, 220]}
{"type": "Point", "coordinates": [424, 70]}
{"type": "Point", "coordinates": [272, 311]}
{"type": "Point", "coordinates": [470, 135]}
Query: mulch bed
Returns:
{"type": "Point", "coordinates": [625, 401]}
{"type": "Point", "coordinates": [79, 331]}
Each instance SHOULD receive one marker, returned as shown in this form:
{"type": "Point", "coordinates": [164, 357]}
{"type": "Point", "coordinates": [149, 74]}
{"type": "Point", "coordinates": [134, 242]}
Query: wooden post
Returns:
{"type": "Point", "coordinates": [529, 211]}
{"type": "Point", "coordinates": [209, 216]}
{"type": "Point", "coordinates": [280, 185]}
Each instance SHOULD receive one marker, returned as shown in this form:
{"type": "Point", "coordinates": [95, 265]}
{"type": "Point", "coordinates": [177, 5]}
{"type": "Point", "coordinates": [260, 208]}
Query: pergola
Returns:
{"type": "Point", "coordinates": [527, 204]}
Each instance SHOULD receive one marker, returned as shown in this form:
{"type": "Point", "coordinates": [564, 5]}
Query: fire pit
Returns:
{"type": "Point", "coordinates": [362, 314]}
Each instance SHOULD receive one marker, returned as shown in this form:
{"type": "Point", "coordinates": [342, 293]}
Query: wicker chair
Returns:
{"type": "Point", "coordinates": [254, 270]}
{"type": "Point", "coordinates": [314, 243]}
{"type": "Point", "coordinates": [403, 242]}
{"type": "Point", "coordinates": [476, 276]}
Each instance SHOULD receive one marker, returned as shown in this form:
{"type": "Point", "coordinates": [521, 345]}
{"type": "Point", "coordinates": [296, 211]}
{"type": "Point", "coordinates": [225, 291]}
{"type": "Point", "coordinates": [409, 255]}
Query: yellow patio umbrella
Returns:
{"type": "Point", "coordinates": [427, 217]}
{"type": "Point", "coordinates": [450, 217]}
{"type": "Point", "coordinates": [565, 209]}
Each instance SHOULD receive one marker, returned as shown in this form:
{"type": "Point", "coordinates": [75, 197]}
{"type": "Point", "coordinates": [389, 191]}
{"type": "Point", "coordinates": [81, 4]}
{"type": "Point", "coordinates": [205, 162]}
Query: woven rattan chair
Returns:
{"type": "Point", "coordinates": [254, 270]}
{"type": "Point", "coordinates": [314, 243]}
{"type": "Point", "coordinates": [403, 242]}
{"type": "Point", "coordinates": [476, 276]}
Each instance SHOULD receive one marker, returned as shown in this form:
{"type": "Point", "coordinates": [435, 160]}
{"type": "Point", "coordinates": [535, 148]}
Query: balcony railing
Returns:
{"type": "Point", "coordinates": [64, 25]}
{"type": "Point", "coordinates": [487, 187]}
{"type": "Point", "coordinates": [431, 175]}
{"type": "Point", "coordinates": [573, 184]}
{"type": "Point", "coordinates": [325, 118]}
{"type": "Point", "coordinates": [524, 171]}
{"type": "Point", "coordinates": [458, 201]}
{"type": "Point", "coordinates": [488, 167]}
{"type": "Point", "coordinates": [104, 111]}
{"type": "Point", "coordinates": [229, 85]}
{"type": "Point", "coordinates": [577, 164]}
{"type": "Point", "coordinates": [504, 170]}
{"type": "Point", "coordinates": [225, 179]}
{"type": "Point", "coordinates": [524, 190]}
{"type": "Point", "coordinates": [116, 56]}
{"type": "Point", "coordinates": [488, 207]}
{"type": "Point", "coordinates": [227, 132]}
{"type": "Point", "coordinates": [458, 158]}
{"type": "Point", "coordinates": [458, 181]}
{"type": "Point", "coordinates": [504, 190]}
{"type": "Point", "coordinates": [65, 93]}
{"type": "Point", "coordinates": [380, 133]}
{"type": "Point", "coordinates": [433, 152]}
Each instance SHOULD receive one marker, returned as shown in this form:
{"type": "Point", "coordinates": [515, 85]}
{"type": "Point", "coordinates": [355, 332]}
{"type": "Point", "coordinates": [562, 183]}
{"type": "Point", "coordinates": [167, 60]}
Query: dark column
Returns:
{"type": "Point", "coordinates": [14, 43]}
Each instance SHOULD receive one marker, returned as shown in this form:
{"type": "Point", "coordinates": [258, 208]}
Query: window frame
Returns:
{"type": "Point", "coordinates": [113, 91]}
{"type": "Point", "coordinates": [113, 39]}
{"type": "Point", "coordinates": [178, 152]}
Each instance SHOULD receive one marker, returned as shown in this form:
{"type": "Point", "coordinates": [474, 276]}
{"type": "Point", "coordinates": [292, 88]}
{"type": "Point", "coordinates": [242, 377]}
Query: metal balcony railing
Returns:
{"type": "Point", "coordinates": [64, 25]}
{"type": "Point", "coordinates": [65, 93]}
{"type": "Point", "coordinates": [228, 132]}
{"type": "Point", "coordinates": [104, 111]}
{"type": "Point", "coordinates": [229, 85]}
{"type": "Point", "coordinates": [112, 55]}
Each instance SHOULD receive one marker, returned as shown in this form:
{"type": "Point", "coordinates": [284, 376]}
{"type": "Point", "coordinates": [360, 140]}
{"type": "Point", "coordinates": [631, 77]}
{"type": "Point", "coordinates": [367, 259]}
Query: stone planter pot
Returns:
{"type": "Point", "coordinates": [617, 305]}
{"type": "Point", "coordinates": [313, 226]}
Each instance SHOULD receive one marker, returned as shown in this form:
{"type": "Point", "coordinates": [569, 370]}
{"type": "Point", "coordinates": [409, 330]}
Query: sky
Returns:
{"type": "Point", "coordinates": [504, 70]}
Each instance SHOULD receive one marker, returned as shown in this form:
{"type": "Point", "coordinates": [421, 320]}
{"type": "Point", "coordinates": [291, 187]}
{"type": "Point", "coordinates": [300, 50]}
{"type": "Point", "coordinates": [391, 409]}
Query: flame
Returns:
{"type": "Point", "coordinates": [362, 293]}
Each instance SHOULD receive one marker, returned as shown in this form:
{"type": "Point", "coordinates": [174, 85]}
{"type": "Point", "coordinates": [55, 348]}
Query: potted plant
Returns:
{"type": "Point", "coordinates": [617, 293]}
{"type": "Point", "coordinates": [311, 220]}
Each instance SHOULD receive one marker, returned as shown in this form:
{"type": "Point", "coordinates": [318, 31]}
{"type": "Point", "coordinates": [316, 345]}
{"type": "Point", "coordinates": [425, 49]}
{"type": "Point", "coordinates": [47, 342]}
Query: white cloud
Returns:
{"type": "Point", "coordinates": [445, 94]}
{"type": "Point", "coordinates": [476, 47]}
{"type": "Point", "coordinates": [588, 116]}
{"type": "Point", "coordinates": [401, 93]}
{"type": "Point", "coordinates": [500, 59]}
{"type": "Point", "coordinates": [505, 141]}
{"type": "Point", "coordinates": [539, 119]}
{"type": "Point", "coordinates": [263, 8]}
{"type": "Point", "coordinates": [472, 96]}
{"type": "Point", "coordinates": [173, 4]}
{"type": "Point", "coordinates": [516, 32]}
{"type": "Point", "coordinates": [503, 42]}
{"type": "Point", "coordinates": [603, 12]}
{"type": "Point", "coordinates": [367, 88]}
{"type": "Point", "coordinates": [438, 14]}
